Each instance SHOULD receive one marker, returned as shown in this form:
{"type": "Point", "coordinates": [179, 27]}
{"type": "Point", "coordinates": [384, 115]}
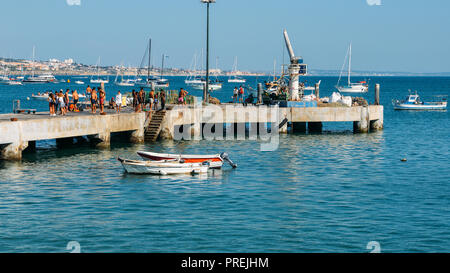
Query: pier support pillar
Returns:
{"type": "Point", "coordinates": [298, 127]}
{"type": "Point", "coordinates": [315, 127]}
{"type": "Point", "coordinates": [362, 126]}
{"type": "Point", "coordinates": [137, 136]}
{"type": "Point", "coordinates": [101, 141]}
{"type": "Point", "coordinates": [13, 151]}
{"type": "Point", "coordinates": [376, 125]}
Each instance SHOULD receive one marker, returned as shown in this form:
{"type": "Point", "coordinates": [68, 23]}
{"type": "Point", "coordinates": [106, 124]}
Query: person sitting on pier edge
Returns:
{"type": "Point", "coordinates": [118, 101]}
{"type": "Point", "coordinates": [249, 99]}
{"type": "Point", "coordinates": [112, 103]}
{"type": "Point", "coordinates": [94, 100]}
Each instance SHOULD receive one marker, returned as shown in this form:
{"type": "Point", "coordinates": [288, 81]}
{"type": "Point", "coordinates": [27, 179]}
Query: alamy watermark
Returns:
{"type": "Point", "coordinates": [221, 123]}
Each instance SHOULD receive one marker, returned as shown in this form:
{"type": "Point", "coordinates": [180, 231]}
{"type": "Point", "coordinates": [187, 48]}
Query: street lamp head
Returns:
{"type": "Point", "coordinates": [208, 1]}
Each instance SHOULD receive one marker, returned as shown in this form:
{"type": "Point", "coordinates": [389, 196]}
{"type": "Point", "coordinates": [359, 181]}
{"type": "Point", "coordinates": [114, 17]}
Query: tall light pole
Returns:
{"type": "Point", "coordinates": [206, 90]}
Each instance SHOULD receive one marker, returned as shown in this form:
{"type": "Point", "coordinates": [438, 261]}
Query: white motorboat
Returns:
{"type": "Point", "coordinates": [413, 102]}
{"type": "Point", "coordinates": [79, 82]}
{"type": "Point", "coordinates": [40, 96]}
{"type": "Point", "coordinates": [166, 167]}
{"type": "Point", "coordinates": [14, 82]}
{"type": "Point", "coordinates": [358, 87]}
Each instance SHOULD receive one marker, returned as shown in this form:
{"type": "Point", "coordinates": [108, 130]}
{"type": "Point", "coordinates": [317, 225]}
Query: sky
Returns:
{"type": "Point", "coordinates": [386, 35]}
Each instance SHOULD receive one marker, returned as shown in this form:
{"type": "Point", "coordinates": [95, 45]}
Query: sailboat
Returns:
{"type": "Point", "coordinates": [193, 78]}
{"type": "Point", "coordinates": [213, 85]}
{"type": "Point", "coordinates": [151, 82]}
{"type": "Point", "coordinates": [359, 87]}
{"type": "Point", "coordinates": [45, 78]}
{"type": "Point", "coordinates": [235, 78]}
{"type": "Point", "coordinates": [122, 82]}
{"type": "Point", "coordinates": [98, 79]}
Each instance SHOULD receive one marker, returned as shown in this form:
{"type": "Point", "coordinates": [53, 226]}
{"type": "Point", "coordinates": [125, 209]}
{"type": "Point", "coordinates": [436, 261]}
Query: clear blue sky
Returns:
{"type": "Point", "coordinates": [399, 35]}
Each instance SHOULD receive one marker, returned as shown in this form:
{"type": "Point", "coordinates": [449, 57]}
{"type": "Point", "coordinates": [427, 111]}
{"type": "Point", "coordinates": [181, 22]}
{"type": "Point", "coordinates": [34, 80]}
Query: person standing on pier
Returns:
{"type": "Point", "coordinates": [67, 99]}
{"type": "Point", "coordinates": [241, 94]}
{"type": "Point", "coordinates": [235, 95]}
{"type": "Point", "coordinates": [62, 105]}
{"type": "Point", "coordinates": [151, 99]}
{"type": "Point", "coordinates": [118, 102]}
{"type": "Point", "coordinates": [75, 100]}
{"type": "Point", "coordinates": [51, 104]}
{"type": "Point", "coordinates": [94, 101]}
{"type": "Point", "coordinates": [141, 99]}
{"type": "Point", "coordinates": [135, 100]}
{"type": "Point", "coordinates": [102, 100]}
{"type": "Point", "coordinates": [162, 97]}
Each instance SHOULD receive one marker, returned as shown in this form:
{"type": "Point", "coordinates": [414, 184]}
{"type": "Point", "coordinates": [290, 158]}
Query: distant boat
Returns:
{"type": "Point", "coordinates": [151, 81]}
{"type": "Point", "coordinates": [123, 82]}
{"type": "Point", "coordinates": [359, 87]}
{"type": "Point", "coordinates": [235, 78]}
{"type": "Point", "coordinates": [98, 79]}
{"type": "Point", "coordinates": [211, 86]}
{"type": "Point", "coordinates": [44, 78]}
{"type": "Point", "coordinates": [193, 78]}
{"type": "Point", "coordinates": [413, 102]}
{"type": "Point", "coordinates": [79, 82]}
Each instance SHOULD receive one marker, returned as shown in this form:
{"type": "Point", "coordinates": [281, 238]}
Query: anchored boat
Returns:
{"type": "Point", "coordinates": [165, 167]}
{"type": "Point", "coordinates": [358, 87]}
{"type": "Point", "coordinates": [413, 102]}
{"type": "Point", "coordinates": [215, 161]}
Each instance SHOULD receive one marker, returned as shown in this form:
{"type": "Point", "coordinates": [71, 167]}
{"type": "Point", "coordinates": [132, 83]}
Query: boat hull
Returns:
{"type": "Point", "coordinates": [353, 89]}
{"type": "Point", "coordinates": [215, 161]}
{"type": "Point", "coordinates": [162, 168]}
{"type": "Point", "coordinates": [421, 107]}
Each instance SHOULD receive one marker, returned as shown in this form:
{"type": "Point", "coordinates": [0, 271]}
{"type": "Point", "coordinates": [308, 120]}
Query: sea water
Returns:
{"type": "Point", "coordinates": [332, 192]}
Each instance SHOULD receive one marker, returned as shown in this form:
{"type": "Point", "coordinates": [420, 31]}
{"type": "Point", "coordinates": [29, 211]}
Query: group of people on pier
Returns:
{"type": "Point", "coordinates": [59, 101]}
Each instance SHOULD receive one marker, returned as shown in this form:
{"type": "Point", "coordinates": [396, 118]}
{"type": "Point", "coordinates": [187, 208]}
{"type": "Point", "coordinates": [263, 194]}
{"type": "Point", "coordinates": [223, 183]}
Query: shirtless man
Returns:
{"type": "Point", "coordinates": [75, 99]}
{"type": "Point", "coordinates": [102, 95]}
{"type": "Point", "coordinates": [94, 100]}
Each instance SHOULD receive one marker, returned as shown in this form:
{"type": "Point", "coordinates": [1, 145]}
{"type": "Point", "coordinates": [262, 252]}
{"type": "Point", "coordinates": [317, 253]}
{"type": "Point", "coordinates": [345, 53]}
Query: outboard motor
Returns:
{"type": "Point", "coordinates": [226, 158]}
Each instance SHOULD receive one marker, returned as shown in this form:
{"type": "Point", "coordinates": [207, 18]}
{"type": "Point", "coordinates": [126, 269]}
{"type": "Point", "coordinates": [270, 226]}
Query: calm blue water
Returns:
{"type": "Point", "coordinates": [333, 192]}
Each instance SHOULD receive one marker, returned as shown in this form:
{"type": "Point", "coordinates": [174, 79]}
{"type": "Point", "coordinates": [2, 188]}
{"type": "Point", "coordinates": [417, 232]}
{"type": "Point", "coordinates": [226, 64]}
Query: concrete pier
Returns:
{"type": "Point", "coordinates": [15, 136]}
{"type": "Point", "coordinates": [19, 131]}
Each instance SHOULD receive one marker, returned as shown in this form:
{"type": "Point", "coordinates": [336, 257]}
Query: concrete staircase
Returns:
{"type": "Point", "coordinates": [154, 127]}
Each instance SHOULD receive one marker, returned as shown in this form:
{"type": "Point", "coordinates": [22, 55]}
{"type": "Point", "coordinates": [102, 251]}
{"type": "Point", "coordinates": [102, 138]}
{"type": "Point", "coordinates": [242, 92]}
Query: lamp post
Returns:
{"type": "Point", "coordinates": [206, 90]}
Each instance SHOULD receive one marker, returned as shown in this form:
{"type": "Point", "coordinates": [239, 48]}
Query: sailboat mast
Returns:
{"type": "Point", "coordinates": [32, 71]}
{"type": "Point", "coordinates": [349, 63]}
{"type": "Point", "coordinates": [149, 58]}
{"type": "Point", "coordinates": [162, 66]}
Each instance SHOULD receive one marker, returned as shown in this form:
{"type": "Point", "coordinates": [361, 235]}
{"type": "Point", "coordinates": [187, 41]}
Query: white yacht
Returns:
{"type": "Point", "coordinates": [98, 79]}
{"type": "Point", "coordinates": [358, 87]}
{"type": "Point", "coordinates": [235, 78]}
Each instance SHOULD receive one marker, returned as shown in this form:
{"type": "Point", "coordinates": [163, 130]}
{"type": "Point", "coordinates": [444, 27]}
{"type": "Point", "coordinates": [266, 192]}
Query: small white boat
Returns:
{"type": "Point", "coordinates": [39, 96]}
{"type": "Point", "coordinates": [13, 82]}
{"type": "Point", "coordinates": [211, 86]}
{"type": "Point", "coordinates": [79, 82]}
{"type": "Point", "coordinates": [215, 161]}
{"type": "Point", "coordinates": [165, 167]}
{"type": "Point", "coordinates": [413, 102]}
